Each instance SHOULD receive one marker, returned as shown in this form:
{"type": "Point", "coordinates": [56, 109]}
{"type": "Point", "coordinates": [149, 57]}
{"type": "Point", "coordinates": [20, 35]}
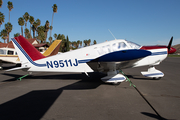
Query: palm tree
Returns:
{"type": "Point", "coordinates": [81, 43]}
{"type": "Point", "coordinates": [26, 32]}
{"type": "Point", "coordinates": [55, 36]}
{"type": "Point", "coordinates": [31, 20]}
{"type": "Point", "coordinates": [21, 23]}
{"type": "Point", "coordinates": [54, 11]}
{"type": "Point", "coordinates": [94, 42]}
{"type": "Point", "coordinates": [41, 34]}
{"type": "Point", "coordinates": [26, 18]}
{"type": "Point", "coordinates": [2, 17]}
{"type": "Point", "coordinates": [4, 35]}
{"type": "Point", "coordinates": [35, 26]}
{"type": "Point", "coordinates": [51, 27]}
{"type": "Point", "coordinates": [38, 21]}
{"type": "Point", "coordinates": [50, 39]}
{"type": "Point", "coordinates": [8, 28]}
{"type": "Point", "coordinates": [89, 42]}
{"type": "Point", "coordinates": [1, 2]}
{"type": "Point", "coordinates": [10, 7]}
{"type": "Point", "coordinates": [78, 43]}
{"type": "Point", "coordinates": [16, 35]}
{"type": "Point", "coordinates": [46, 28]}
{"type": "Point", "coordinates": [85, 43]}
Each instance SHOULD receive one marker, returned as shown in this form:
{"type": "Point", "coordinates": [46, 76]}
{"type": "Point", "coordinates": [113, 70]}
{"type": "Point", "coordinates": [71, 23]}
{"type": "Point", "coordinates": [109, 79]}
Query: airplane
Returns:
{"type": "Point", "coordinates": [9, 55]}
{"type": "Point", "coordinates": [108, 57]}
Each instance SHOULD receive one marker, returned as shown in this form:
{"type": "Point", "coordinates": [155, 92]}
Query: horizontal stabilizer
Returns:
{"type": "Point", "coordinates": [18, 68]}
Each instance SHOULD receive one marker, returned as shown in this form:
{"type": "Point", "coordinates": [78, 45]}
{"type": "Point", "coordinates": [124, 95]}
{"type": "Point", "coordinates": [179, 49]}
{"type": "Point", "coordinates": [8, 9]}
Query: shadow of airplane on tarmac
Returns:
{"type": "Point", "coordinates": [155, 116]}
{"type": "Point", "coordinates": [33, 105]}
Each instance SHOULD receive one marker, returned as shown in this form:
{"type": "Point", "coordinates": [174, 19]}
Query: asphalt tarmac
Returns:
{"type": "Point", "coordinates": [70, 96]}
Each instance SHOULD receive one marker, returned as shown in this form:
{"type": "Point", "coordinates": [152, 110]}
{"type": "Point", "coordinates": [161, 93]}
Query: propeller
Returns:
{"type": "Point", "coordinates": [170, 43]}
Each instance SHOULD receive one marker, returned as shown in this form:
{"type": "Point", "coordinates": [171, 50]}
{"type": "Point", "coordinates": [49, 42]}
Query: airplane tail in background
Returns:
{"type": "Point", "coordinates": [53, 49]}
{"type": "Point", "coordinates": [26, 51]}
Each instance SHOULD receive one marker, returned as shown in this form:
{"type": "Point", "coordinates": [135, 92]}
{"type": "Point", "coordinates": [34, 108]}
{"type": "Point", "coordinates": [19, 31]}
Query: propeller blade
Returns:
{"type": "Point", "coordinates": [170, 43]}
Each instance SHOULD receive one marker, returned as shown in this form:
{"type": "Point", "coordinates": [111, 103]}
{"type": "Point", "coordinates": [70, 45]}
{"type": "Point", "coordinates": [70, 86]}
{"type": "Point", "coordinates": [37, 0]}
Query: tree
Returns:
{"type": "Point", "coordinates": [8, 28]}
{"type": "Point", "coordinates": [94, 42]}
{"type": "Point", "coordinates": [16, 35]}
{"type": "Point", "coordinates": [10, 7]}
{"type": "Point", "coordinates": [1, 2]}
{"type": "Point", "coordinates": [50, 29]}
{"type": "Point", "coordinates": [54, 11]}
{"type": "Point", "coordinates": [46, 28]}
{"type": "Point", "coordinates": [50, 39]}
{"type": "Point", "coordinates": [4, 35]}
{"type": "Point", "coordinates": [60, 37]}
{"type": "Point", "coordinates": [78, 43]}
{"type": "Point", "coordinates": [26, 18]}
{"type": "Point", "coordinates": [38, 21]}
{"type": "Point", "coordinates": [55, 36]}
{"type": "Point", "coordinates": [27, 33]}
{"type": "Point", "coordinates": [89, 42]}
{"type": "Point", "coordinates": [81, 43]}
{"type": "Point", "coordinates": [31, 20]}
{"type": "Point", "coordinates": [21, 23]}
{"type": "Point", "coordinates": [85, 43]}
{"type": "Point", "coordinates": [2, 17]}
{"type": "Point", "coordinates": [41, 34]}
{"type": "Point", "coordinates": [35, 26]}
{"type": "Point", "coordinates": [67, 44]}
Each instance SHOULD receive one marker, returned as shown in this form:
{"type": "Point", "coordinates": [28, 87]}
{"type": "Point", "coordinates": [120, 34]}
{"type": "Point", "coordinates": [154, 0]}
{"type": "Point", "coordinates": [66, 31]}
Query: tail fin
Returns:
{"type": "Point", "coordinates": [26, 51]}
{"type": "Point", "coordinates": [53, 49]}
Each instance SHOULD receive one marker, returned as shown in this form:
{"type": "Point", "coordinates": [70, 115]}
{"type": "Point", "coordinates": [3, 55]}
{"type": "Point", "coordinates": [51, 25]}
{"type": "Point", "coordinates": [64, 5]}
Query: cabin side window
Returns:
{"type": "Point", "coordinates": [3, 52]}
{"type": "Point", "coordinates": [10, 52]}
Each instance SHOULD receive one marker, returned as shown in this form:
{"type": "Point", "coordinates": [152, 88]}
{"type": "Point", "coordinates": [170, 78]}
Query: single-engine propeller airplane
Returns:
{"type": "Point", "coordinates": [108, 57]}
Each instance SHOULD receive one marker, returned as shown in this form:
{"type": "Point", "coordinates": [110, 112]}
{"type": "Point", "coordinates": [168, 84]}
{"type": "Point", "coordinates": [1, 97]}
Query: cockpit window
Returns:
{"type": "Point", "coordinates": [133, 45]}
{"type": "Point", "coordinates": [3, 52]}
{"type": "Point", "coordinates": [119, 46]}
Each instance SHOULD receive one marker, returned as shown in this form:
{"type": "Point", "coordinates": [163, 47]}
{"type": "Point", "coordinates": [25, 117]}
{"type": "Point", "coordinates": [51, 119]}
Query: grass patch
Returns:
{"type": "Point", "coordinates": [173, 55]}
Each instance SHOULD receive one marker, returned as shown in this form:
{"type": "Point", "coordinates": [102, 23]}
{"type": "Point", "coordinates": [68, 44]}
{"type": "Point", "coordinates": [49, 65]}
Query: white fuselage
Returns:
{"type": "Point", "coordinates": [77, 60]}
{"type": "Point", "coordinates": [9, 55]}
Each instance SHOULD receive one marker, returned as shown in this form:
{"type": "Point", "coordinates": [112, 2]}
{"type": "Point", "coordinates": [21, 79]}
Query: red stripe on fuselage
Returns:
{"type": "Point", "coordinates": [29, 48]}
{"type": "Point", "coordinates": [171, 51]}
{"type": "Point", "coordinates": [152, 47]}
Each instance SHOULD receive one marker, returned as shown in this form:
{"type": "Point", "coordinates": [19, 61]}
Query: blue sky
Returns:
{"type": "Point", "coordinates": [146, 22]}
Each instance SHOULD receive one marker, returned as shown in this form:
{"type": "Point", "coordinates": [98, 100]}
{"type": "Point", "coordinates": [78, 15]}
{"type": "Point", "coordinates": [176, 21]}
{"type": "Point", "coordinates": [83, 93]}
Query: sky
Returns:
{"type": "Point", "coordinates": [146, 22]}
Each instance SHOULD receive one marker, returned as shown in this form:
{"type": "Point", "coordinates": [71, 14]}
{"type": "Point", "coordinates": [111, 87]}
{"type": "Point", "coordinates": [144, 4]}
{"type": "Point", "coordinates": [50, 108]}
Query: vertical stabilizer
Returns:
{"type": "Point", "coordinates": [53, 49]}
{"type": "Point", "coordinates": [26, 51]}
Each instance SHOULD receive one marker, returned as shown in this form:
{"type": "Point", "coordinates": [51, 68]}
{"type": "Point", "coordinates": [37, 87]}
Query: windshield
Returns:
{"type": "Point", "coordinates": [133, 45]}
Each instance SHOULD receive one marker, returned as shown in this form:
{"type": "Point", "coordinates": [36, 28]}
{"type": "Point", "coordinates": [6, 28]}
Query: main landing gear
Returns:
{"type": "Point", "coordinates": [153, 73]}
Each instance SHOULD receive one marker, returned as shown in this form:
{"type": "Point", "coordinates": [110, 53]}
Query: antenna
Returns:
{"type": "Point", "coordinates": [112, 34]}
